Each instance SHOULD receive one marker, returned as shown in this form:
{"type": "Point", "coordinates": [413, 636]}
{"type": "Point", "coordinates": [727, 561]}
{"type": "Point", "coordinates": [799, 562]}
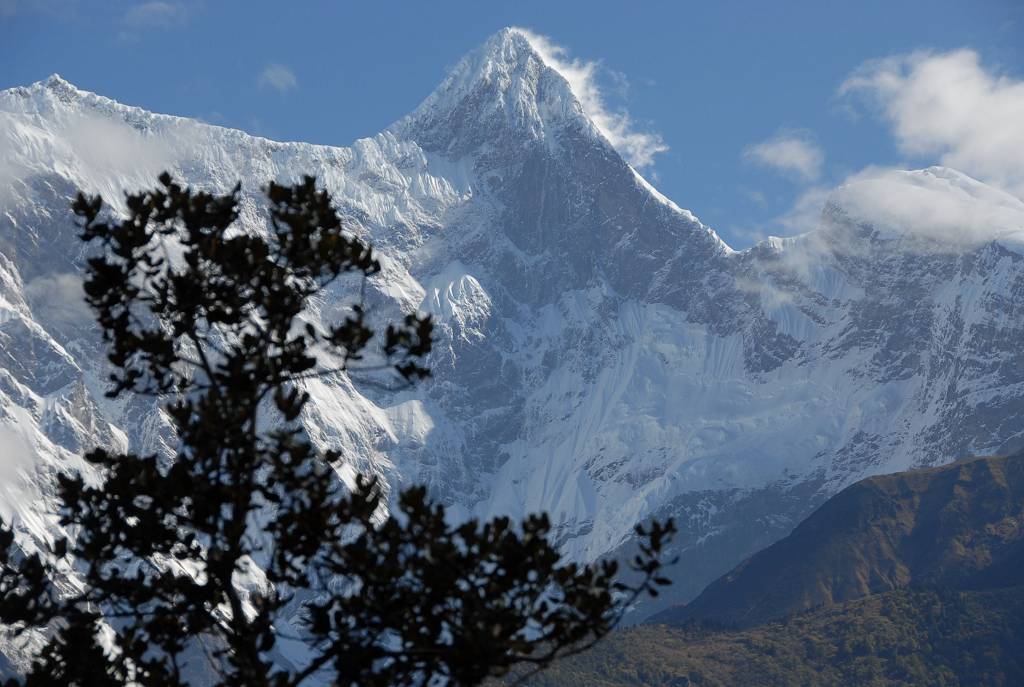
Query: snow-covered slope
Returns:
{"type": "Point", "coordinates": [604, 356]}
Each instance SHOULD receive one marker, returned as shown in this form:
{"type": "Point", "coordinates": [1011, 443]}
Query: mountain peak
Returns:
{"type": "Point", "coordinates": [59, 87]}
{"type": "Point", "coordinates": [510, 44]}
{"type": "Point", "coordinates": [52, 86]}
{"type": "Point", "coordinates": [57, 82]}
{"type": "Point", "coordinates": [56, 92]}
{"type": "Point", "coordinates": [504, 89]}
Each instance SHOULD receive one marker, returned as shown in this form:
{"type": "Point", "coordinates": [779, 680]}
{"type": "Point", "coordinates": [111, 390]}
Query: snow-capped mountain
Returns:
{"type": "Point", "coordinates": [603, 355]}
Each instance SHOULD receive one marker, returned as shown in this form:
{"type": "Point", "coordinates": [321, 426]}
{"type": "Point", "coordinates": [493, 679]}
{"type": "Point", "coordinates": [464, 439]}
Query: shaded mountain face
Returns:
{"type": "Point", "coordinates": [958, 526]}
{"type": "Point", "coordinates": [602, 355]}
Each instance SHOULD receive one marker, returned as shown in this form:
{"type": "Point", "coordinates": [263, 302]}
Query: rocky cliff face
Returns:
{"type": "Point", "coordinates": [603, 355]}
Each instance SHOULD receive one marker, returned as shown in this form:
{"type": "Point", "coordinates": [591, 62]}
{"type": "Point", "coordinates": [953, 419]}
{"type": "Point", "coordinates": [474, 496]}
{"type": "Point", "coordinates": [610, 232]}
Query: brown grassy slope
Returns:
{"type": "Point", "coordinates": [905, 637]}
{"type": "Point", "coordinates": [959, 526]}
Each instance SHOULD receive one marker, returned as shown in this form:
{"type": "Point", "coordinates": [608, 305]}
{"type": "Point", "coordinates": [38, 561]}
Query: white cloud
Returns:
{"type": "Point", "coordinates": [155, 14]}
{"type": "Point", "coordinates": [935, 209]}
{"type": "Point", "coordinates": [278, 77]}
{"type": "Point", "coordinates": [109, 147]}
{"type": "Point", "coordinates": [937, 204]}
{"type": "Point", "coordinates": [148, 16]}
{"type": "Point", "coordinates": [805, 214]}
{"type": "Point", "coordinates": [96, 153]}
{"type": "Point", "coordinates": [638, 147]}
{"type": "Point", "coordinates": [942, 106]}
{"type": "Point", "coordinates": [59, 300]}
{"type": "Point", "coordinates": [949, 105]}
{"type": "Point", "coordinates": [792, 153]}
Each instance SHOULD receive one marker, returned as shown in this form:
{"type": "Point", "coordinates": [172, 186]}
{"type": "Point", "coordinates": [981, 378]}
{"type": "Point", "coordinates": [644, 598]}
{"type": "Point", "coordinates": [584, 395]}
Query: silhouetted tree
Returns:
{"type": "Point", "coordinates": [208, 554]}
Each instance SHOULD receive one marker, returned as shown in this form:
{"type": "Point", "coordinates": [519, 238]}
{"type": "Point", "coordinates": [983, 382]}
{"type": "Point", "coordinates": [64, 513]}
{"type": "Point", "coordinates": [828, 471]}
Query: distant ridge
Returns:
{"type": "Point", "coordinates": [915, 578]}
{"type": "Point", "coordinates": [958, 526]}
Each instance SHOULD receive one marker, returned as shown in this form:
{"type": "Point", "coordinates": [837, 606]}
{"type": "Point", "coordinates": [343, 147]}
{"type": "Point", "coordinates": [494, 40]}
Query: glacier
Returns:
{"type": "Point", "coordinates": [602, 355]}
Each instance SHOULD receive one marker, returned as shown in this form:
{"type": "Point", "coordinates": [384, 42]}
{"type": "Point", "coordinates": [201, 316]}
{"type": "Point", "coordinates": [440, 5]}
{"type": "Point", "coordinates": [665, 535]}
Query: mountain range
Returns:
{"type": "Point", "coordinates": [602, 355]}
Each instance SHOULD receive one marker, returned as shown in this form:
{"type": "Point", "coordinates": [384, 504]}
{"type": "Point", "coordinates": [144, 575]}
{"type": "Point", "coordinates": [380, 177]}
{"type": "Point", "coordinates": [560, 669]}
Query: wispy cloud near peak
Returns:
{"type": "Point", "coordinates": [638, 147]}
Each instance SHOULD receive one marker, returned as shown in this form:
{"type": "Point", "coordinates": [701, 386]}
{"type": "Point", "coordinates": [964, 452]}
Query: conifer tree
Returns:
{"type": "Point", "coordinates": [209, 320]}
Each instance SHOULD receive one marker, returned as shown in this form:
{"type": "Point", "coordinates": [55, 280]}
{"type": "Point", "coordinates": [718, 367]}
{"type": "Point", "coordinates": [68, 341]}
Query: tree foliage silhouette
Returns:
{"type": "Point", "coordinates": [248, 538]}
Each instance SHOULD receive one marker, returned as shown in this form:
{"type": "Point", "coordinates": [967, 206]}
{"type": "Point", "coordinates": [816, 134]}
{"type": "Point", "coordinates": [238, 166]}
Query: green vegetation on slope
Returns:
{"type": "Point", "coordinates": [915, 578]}
{"type": "Point", "coordinates": [959, 526]}
{"type": "Point", "coordinates": [904, 637]}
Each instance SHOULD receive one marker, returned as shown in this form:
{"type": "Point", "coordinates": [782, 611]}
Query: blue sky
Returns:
{"type": "Point", "coordinates": [749, 97]}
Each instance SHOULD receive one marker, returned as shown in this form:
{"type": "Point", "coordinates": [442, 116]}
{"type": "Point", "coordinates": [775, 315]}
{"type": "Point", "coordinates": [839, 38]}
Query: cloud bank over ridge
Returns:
{"type": "Point", "coordinates": [944, 109]}
{"type": "Point", "coordinates": [948, 105]}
